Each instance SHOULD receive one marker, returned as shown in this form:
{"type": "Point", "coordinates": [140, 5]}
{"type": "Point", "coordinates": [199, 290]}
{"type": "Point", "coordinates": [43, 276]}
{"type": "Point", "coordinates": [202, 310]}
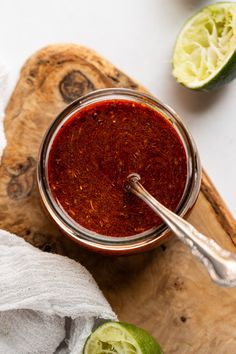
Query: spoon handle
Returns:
{"type": "Point", "coordinates": [220, 263]}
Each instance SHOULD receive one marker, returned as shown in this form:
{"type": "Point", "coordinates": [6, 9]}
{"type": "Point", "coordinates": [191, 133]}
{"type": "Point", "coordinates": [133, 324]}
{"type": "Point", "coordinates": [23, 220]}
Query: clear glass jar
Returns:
{"type": "Point", "coordinates": [102, 243]}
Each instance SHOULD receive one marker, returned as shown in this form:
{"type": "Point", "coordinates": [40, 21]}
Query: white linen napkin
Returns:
{"type": "Point", "coordinates": [48, 303]}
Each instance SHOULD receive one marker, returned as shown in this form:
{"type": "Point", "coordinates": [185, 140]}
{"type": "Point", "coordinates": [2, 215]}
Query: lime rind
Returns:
{"type": "Point", "coordinates": [120, 338]}
{"type": "Point", "coordinates": [204, 55]}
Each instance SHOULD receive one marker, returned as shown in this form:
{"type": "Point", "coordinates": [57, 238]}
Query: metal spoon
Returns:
{"type": "Point", "coordinates": [220, 263]}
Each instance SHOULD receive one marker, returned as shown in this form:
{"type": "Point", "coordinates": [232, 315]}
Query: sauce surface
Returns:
{"type": "Point", "coordinates": [94, 152]}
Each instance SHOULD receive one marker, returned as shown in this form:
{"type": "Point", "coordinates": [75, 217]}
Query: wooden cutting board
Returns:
{"type": "Point", "coordinates": [165, 291]}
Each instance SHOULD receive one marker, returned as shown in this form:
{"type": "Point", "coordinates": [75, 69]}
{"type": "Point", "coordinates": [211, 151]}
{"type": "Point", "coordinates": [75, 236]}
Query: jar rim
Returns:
{"type": "Point", "coordinates": [90, 238]}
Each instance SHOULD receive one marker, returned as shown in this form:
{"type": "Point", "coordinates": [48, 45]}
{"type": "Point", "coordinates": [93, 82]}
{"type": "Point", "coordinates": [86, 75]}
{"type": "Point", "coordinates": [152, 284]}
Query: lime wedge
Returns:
{"type": "Point", "coordinates": [205, 51]}
{"type": "Point", "coordinates": [121, 338]}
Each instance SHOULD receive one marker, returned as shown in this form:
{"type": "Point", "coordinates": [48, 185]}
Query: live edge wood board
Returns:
{"type": "Point", "coordinates": [166, 291]}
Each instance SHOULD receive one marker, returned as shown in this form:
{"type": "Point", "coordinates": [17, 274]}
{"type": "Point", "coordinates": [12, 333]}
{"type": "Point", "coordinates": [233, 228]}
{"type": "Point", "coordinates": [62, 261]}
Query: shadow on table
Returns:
{"type": "Point", "coordinates": [197, 101]}
{"type": "Point", "coordinates": [198, 3]}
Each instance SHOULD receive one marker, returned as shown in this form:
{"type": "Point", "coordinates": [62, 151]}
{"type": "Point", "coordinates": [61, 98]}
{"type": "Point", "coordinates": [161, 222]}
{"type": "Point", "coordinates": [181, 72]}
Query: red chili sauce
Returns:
{"type": "Point", "coordinates": [95, 151]}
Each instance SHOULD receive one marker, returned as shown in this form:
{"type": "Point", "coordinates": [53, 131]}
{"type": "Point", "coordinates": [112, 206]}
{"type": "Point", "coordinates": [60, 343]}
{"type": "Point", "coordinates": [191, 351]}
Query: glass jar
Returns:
{"type": "Point", "coordinates": [102, 243]}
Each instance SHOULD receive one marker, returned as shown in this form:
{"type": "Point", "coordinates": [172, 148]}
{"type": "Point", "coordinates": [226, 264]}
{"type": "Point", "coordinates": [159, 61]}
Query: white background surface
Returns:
{"type": "Point", "coordinates": [137, 36]}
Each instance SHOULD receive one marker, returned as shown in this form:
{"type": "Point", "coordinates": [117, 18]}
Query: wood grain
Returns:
{"type": "Point", "coordinates": [165, 290]}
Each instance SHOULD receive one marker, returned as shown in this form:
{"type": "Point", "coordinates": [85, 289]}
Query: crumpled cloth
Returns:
{"type": "Point", "coordinates": [48, 303]}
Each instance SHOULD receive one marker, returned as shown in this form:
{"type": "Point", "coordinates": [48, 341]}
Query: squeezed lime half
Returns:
{"type": "Point", "coordinates": [205, 51]}
{"type": "Point", "coordinates": [121, 338]}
